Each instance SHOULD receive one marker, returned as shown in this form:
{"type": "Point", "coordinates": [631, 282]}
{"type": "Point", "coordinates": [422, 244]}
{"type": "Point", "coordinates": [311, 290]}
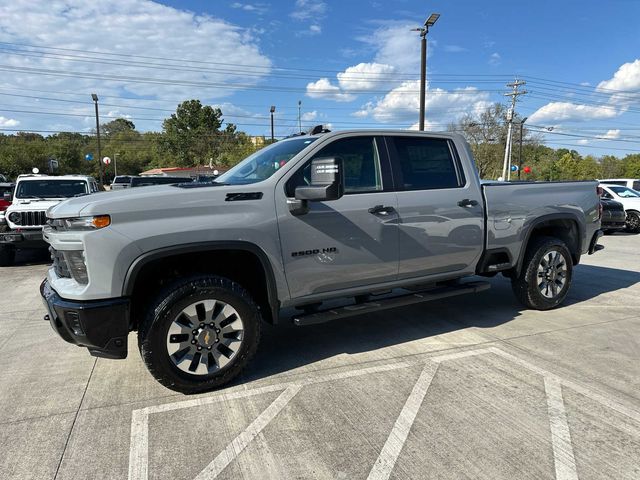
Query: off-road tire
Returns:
{"type": "Point", "coordinates": [7, 256]}
{"type": "Point", "coordinates": [526, 285]}
{"type": "Point", "coordinates": [161, 312]}
{"type": "Point", "coordinates": [633, 222]}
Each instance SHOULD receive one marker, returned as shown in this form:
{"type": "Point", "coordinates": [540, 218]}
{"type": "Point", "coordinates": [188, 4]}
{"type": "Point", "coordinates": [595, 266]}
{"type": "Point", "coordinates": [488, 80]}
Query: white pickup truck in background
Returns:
{"type": "Point", "coordinates": [33, 195]}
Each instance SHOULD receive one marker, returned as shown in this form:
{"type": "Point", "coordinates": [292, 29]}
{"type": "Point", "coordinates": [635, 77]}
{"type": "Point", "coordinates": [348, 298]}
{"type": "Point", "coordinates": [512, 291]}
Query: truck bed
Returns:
{"type": "Point", "coordinates": [513, 207]}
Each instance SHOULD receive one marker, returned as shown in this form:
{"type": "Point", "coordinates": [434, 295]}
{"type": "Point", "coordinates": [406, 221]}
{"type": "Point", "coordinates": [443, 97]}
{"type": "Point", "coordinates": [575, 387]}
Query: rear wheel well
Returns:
{"type": "Point", "coordinates": [565, 229]}
{"type": "Point", "coordinates": [241, 266]}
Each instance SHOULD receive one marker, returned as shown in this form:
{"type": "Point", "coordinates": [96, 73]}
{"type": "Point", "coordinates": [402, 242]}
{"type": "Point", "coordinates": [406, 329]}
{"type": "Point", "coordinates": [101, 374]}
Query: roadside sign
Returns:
{"type": "Point", "coordinates": [106, 160]}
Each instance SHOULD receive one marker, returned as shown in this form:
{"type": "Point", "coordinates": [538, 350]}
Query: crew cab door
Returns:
{"type": "Point", "coordinates": [439, 204]}
{"type": "Point", "coordinates": [349, 242]}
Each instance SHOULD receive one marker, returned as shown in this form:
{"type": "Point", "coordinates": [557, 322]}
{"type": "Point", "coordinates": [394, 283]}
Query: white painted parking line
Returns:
{"type": "Point", "coordinates": [139, 443]}
{"type": "Point", "coordinates": [561, 439]}
{"type": "Point", "coordinates": [239, 443]}
{"type": "Point", "coordinates": [393, 446]}
{"type": "Point", "coordinates": [563, 458]}
{"type": "Point", "coordinates": [587, 392]}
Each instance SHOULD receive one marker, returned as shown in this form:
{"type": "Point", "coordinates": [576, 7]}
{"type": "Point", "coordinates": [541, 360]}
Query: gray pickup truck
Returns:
{"type": "Point", "coordinates": [316, 227]}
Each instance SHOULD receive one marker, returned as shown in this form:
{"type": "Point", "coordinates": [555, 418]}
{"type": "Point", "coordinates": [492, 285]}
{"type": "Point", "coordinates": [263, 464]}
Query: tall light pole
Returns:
{"type": "Point", "coordinates": [272, 109]}
{"type": "Point", "coordinates": [95, 101]}
{"type": "Point", "coordinates": [520, 149]}
{"type": "Point", "coordinates": [299, 116]}
{"type": "Point", "coordinates": [429, 22]}
{"type": "Point", "coordinates": [115, 164]}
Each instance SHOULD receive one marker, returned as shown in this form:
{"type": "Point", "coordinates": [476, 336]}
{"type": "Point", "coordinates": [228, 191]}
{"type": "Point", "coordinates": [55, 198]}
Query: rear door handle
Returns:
{"type": "Point", "coordinates": [381, 210]}
{"type": "Point", "coordinates": [467, 203]}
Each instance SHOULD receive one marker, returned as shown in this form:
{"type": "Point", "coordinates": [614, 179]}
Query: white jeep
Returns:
{"type": "Point", "coordinates": [34, 194]}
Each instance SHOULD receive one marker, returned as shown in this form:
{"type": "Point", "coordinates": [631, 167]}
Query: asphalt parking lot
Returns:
{"type": "Point", "coordinates": [470, 387]}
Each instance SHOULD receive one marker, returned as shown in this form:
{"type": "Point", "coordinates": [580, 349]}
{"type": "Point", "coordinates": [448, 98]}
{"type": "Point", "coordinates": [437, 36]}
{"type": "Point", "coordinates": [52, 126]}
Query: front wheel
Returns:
{"type": "Point", "coordinates": [546, 274]}
{"type": "Point", "coordinates": [633, 222]}
{"type": "Point", "coordinates": [199, 333]}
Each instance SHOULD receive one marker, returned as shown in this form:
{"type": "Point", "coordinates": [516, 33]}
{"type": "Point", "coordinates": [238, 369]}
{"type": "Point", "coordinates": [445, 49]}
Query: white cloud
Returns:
{"type": "Point", "coordinates": [585, 84]}
{"type": "Point", "coordinates": [567, 111]}
{"type": "Point", "coordinates": [626, 78]}
{"type": "Point", "coordinates": [611, 134]}
{"type": "Point", "coordinates": [258, 8]}
{"type": "Point", "coordinates": [309, 116]}
{"type": "Point", "coordinates": [308, 10]}
{"type": "Point", "coordinates": [583, 141]}
{"type": "Point", "coordinates": [495, 59]}
{"type": "Point", "coordinates": [315, 29]}
{"type": "Point", "coordinates": [323, 88]}
{"type": "Point", "coordinates": [8, 122]}
{"type": "Point", "coordinates": [126, 27]}
{"type": "Point", "coordinates": [365, 76]}
{"type": "Point", "coordinates": [396, 45]}
{"type": "Point", "coordinates": [402, 105]}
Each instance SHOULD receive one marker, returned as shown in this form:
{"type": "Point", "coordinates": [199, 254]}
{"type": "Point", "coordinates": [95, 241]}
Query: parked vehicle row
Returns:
{"type": "Point", "coordinates": [125, 181]}
{"type": "Point", "coordinates": [630, 200]}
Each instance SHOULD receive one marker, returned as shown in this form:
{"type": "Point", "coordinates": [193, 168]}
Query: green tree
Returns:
{"type": "Point", "coordinates": [117, 126]}
{"type": "Point", "coordinates": [631, 165]}
{"type": "Point", "coordinates": [192, 135]}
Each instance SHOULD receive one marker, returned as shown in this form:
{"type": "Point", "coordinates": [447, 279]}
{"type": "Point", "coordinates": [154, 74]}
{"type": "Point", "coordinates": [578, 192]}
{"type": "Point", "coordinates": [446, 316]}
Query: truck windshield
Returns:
{"type": "Point", "coordinates": [625, 192]}
{"type": "Point", "coordinates": [51, 188]}
{"type": "Point", "coordinates": [264, 163]}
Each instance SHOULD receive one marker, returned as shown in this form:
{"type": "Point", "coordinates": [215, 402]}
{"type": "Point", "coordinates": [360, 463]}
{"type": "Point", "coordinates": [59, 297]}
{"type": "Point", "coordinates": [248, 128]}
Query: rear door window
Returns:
{"type": "Point", "coordinates": [425, 163]}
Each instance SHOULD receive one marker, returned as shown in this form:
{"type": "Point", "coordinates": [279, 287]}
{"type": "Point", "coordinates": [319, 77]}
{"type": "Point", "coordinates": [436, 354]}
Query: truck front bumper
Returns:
{"type": "Point", "coordinates": [23, 239]}
{"type": "Point", "coordinates": [101, 326]}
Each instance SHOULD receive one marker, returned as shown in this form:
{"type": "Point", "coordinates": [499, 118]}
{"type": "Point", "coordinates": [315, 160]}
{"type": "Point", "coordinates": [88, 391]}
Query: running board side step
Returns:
{"type": "Point", "coordinates": [390, 302]}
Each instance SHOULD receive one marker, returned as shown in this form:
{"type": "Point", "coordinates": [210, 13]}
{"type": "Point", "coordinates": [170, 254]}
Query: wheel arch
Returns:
{"type": "Point", "coordinates": [567, 227]}
{"type": "Point", "coordinates": [239, 261]}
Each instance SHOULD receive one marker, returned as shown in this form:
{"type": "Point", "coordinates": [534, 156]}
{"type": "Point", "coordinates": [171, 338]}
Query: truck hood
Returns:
{"type": "Point", "coordinates": [140, 199]}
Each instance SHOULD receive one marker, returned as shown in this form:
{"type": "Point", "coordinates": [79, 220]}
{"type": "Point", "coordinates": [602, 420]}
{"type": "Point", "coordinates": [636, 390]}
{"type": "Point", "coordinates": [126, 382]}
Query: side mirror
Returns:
{"type": "Point", "coordinates": [327, 181]}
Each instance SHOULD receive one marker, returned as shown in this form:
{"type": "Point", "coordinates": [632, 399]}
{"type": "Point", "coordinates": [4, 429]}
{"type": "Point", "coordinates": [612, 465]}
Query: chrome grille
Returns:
{"type": "Point", "coordinates": [33, 219]}
{"type": "Point", "coordinates": [59, 263]}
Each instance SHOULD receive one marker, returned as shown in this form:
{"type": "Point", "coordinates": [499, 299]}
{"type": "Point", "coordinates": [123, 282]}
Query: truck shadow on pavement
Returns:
{"type": "Point", "coordinates": [286, 347]}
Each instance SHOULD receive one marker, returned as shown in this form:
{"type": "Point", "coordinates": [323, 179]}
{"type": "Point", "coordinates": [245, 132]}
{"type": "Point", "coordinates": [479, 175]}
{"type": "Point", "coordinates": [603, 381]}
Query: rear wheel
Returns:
{"type": "Point", "coordinates": [7, 256]}
{"type": "Point", "coordinates": [546, 274]}
{"type": "Point", "coordinates": [199, 333]}
{"type": "Point", "coordinates": [633, 222]}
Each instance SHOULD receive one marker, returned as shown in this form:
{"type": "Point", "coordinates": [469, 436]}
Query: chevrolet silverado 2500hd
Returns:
{"type": "Point", "coordinates": [372, 219]}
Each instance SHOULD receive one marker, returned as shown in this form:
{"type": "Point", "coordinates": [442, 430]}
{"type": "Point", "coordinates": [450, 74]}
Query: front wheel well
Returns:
{"type": "Point", "coordinates": [238, 265]}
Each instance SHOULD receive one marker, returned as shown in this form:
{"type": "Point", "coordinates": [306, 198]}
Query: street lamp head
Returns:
{"type": "Point", "coordinates": [94, 97]}
{"type": "Point", "coordinates": [272, 109]}
{"type": "Point", "coordinates": [524, 120]}
{"type": "Point", "coordinates": [433, 18]}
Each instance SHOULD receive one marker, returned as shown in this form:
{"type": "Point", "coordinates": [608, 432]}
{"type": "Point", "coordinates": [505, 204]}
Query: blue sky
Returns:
{"type": "Point", "coordinates": [352, 64]}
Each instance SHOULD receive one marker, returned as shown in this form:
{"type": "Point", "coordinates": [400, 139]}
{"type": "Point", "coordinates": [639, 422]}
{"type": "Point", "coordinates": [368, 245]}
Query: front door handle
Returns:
{"type": "Point", "coordinates": [381, 210]}
{"type": "Point", "coordinates": [467, 203]}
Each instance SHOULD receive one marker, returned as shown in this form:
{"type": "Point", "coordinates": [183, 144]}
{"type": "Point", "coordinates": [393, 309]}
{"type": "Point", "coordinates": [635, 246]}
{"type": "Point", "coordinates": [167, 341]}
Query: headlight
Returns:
{"type": "Point", "coordinates": [14, 217]}
{"type": "Point", "coordinates": [82, 223]}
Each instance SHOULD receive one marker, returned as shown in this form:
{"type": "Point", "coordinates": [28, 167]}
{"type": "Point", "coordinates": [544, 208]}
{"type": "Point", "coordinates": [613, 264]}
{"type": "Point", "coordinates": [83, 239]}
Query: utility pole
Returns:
{"type": "Point", "coordinates": [520, 152]}
{"type": "Point", "coordinates": [115, 164]}
{"type": "Point", "coordinates": [94, 97]}
{"type": "Point", "coordinates": [299, 116]}
{"type": "Point", "coordinates": [514, 94]}
{"type": "Point", "coordinates": [271, 110]}
{"type": "Point", "coordinates": [429, 22]}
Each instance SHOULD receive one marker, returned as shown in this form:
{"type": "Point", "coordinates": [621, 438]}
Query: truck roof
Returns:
{"type": "Point", "coordinates": [39, 176]}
